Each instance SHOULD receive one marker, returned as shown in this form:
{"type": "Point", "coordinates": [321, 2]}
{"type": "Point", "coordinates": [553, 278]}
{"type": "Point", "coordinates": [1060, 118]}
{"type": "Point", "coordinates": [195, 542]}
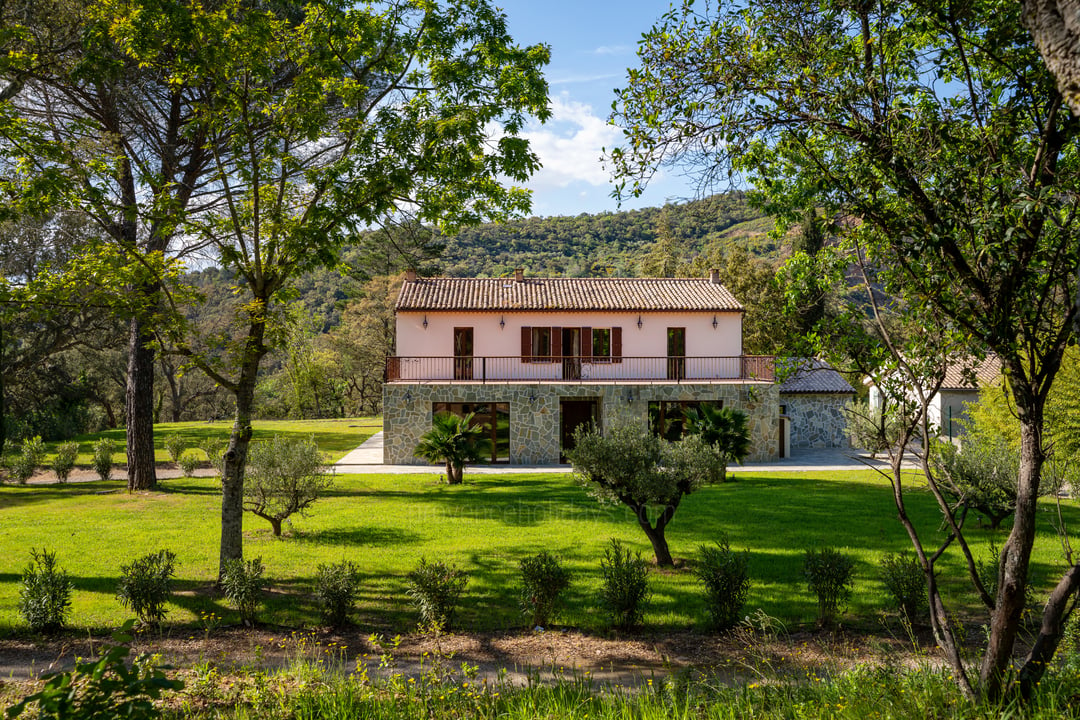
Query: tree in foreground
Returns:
{"type": "Point", "coordinates": [877, 114]}
{"type": "Point", "coordinates": [646, 473]}
{"type": "Point", "coordinates": [284, 477]}
{"type": "Point", "coordinates": [455, 441]}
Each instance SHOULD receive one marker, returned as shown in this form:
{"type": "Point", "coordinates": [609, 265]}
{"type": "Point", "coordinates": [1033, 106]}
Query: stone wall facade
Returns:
{"type": "Point", "coordinates": [817, 419]}
{"type": "Point", "coordinates": [534, 412]}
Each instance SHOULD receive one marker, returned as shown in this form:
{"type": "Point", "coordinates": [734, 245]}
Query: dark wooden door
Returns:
{"type": "Point", "coordinates": [574, 414]}
{"type": "Point", "coordinates": [571, 353]}
{"type": "Point", "coordinates": [676, 353]}
{"type": "Point", "coordinates": [463, 353]}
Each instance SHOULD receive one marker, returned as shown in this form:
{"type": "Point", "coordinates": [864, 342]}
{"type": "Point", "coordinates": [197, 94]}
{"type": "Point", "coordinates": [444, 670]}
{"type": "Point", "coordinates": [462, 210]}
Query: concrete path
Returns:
{"type": "Point", "coordinates": [368, 458]}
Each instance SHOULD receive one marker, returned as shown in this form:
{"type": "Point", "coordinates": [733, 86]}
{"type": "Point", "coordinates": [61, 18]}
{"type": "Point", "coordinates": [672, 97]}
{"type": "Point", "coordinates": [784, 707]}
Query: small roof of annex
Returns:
{"type": "Point", "coordinates": [521, 294]}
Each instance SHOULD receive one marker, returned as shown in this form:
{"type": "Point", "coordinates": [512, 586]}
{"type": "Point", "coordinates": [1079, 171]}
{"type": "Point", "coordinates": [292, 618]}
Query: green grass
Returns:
{"type": "Point", "coordinates": [335, 437]}
{"type": "Point", "coordinates": [386, 523]}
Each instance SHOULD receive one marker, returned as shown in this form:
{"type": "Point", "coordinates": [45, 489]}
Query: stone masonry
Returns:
{"type": "Point", "coordinates": [534, 412]}
{"type": "Point", "coordinates": [817, 419]}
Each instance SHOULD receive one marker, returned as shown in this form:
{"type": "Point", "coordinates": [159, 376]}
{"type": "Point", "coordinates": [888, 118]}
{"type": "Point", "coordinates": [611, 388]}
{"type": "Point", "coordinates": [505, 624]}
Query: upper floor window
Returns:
{"type": "Point", "coordinates": [541, 343]}
{"type": "Point", "coordinates": [601, 343]}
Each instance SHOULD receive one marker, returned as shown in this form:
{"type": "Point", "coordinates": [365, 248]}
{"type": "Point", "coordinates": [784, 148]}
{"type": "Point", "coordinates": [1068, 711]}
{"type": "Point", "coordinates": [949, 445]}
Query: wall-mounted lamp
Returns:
{"type": "Point", "coordinates": [629, 397]}
{"type": "Point", "coordinates": [502, 322]}
{"type": "Point", "coordinates": [408, 395]}
{"type": "Point", "coordinates": [425, 322]}
{"type": "Point", "coordinates": [714, 322]}
{"type": "Point", "coordinates": [638, 322]}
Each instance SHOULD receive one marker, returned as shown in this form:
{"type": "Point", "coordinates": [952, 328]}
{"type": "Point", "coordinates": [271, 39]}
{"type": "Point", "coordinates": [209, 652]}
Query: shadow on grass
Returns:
{"type": "Point", "coordinates": [13, 496]}
{"type": "Point", "coordinates": [358, 536]}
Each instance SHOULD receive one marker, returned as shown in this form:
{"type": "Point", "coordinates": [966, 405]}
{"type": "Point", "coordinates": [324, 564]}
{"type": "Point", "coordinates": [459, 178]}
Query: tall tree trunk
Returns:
{"type": "Point", "coordinates": [1015, 555]}
{"type": "Point", "coordinates": [139, 403]}
{"type": "Point", "coordinates": [232, 478]}
{"type": "Point", "coordinates": [1055, 614]}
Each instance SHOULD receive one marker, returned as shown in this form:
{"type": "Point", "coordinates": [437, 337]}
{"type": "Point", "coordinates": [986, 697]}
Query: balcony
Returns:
{"type": "Point", "coordinates": [583, 369]}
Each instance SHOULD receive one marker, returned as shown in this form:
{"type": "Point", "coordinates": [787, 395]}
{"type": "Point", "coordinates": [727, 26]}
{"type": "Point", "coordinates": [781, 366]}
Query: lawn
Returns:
{"type": "Point", "coordinates": [386, 523]}
{"type": "Point", "coordinates": [334, 437]}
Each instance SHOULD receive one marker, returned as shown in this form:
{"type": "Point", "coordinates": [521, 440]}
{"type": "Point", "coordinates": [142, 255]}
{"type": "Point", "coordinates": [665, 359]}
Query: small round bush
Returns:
{"type": "Point", "coordinates": [103, 457]}
{"type": "Point", "coordinates": [28, 459]}
{"type": "Point", "coordinates": [45, 595]}
{"type": "Point", "coordinates": [727, 584]}
{"type": "Point", "coordinates": [905, 582]}
{"type": "Point", "coordinates": [215, 453]}
{"type": "Point", "coordinates": [829, 575]}
{"type": "Point", "coordinates": [543, 582]}
{"type": "Point", "coordinates": [626, 585]}
{"type": "Point", "coordinates": [64, 460]}
{"type": "Point", "coordinates": [189, 463]}
{"type": "Point", "coordinates": [336, 586]}
{"type": "Point", "coordinates": [145, 585]}
{"type": "Point", "coordinates": [435, 588]}
{"type": "Point", "coordinates": [242, 582]}
{"type": "Point", "coordinates": [175, 445]}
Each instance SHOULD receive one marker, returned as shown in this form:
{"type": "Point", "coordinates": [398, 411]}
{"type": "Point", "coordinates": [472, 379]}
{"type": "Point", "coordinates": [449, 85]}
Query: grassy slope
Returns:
{"type": "Point", "coordinates": [386, 523]}
{"type": "Point", "coordinates": [334, 437]}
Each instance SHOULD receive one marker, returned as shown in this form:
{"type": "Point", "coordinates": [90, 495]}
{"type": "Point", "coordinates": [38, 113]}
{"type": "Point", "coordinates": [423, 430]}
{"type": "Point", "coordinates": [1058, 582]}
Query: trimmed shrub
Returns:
{"type": "Point", "coordinates": [45, 595]}
{"type": "Point", "coordinates": [103, 457]}
{"type": "Point", "coordinates": [215, 453]}
{"type": "Point", "coordinates": [28, 459]}
{"type": "Point", "coordinates": [435, 588]}
{"type": "Point", "coordinates": [64, 461]}
{"type": "Point", "coordinates": [242, 582]}
{"type": "Point", "coordinates": [727, 584]}
{"type": "Point", "coordinates": [543, 581]}
{"type": "Point", "coordinates": [626, 585]}
{"type": "Point", "coordinates": [284, 476]}
{"type": "Point", "coordinates": [905, 582]}
{"type": "Point", "coordinates": [189, 463]}
{"type": "Point", "coordinates": [829, 576]}
{"type": "Point", "coordinates": [175, 445]}
{"type": "Point", "coordinates": [336, 586]}
{"type": "Point", "coordinates": [145, 585]}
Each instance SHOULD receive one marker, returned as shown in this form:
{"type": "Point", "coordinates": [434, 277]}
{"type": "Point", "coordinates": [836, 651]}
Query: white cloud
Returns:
{"type": "Point", "coordinates": [570, 145]}
{"type": "Point", "coordinates": [613, 50]}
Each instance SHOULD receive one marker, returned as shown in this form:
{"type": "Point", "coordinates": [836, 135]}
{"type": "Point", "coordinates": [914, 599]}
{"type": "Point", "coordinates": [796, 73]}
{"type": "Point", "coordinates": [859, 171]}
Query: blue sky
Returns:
{"type": "Point", "coordinates": [592, 42]}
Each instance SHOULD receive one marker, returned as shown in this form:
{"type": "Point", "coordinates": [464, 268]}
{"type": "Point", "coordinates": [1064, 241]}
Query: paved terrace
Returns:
{"type": "Point", "coordinates": [368, 458]}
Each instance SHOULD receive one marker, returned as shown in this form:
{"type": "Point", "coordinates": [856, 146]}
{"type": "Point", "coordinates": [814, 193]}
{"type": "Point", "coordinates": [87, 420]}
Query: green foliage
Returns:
{"type": "Point", "coordinates": [455, 441]}
{"type": "Point", "coordinates": [829, 575]}
{"type": "Point", "coordinates": [103, 689]}
{"type": "Point", "coordinates": [64, 460]}
{"type": "Point", "coordinates": [630, 465]}
{"type": "Point", "coordinates": [175, 445]}
{"type": "Point", "coordinates": [981, 474]}
{"type": "Point", "coordinates": [727, 583]}
{"type": "Point", "coordinates": [284, 476]}
{"type": "Point", "coordinates": [103, 457]}
{"type": "Point", "coordinates": [242, 582]}
{"type": "Point", "coordinates": [435, 588]}
{"type": "Point", "coordinates": [724, 430]}
{"type": "Point", "coordinates": [625, 590]}
{"type": "Point", "coordinates": [45, 595]}
{"type": "Point", "coordinates": [874, 428]}
{"type": "Point", "coordinates": [28, 459]}
{"type": "Point", "coordinates": [543, 582]}
{"type": "Point", "coordinates": [215, 452]}
{"type": "Point", "coordinates": [146, 584]}
{"type": "Point", "coordinates": [336, 588]}
{"type": "Point", "coordinates": [905, 583]}
{"type": "Point", "coordinates": [189, 463]}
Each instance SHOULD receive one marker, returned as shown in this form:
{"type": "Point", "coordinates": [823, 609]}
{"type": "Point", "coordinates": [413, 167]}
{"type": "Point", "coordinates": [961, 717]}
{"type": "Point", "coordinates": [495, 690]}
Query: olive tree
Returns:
{"type": "Point", "coordinates": [284, 476]}
{"type": "Point", "coordinates": [937, 138]}
{"type": "Point", "coordinates": [644, 472]}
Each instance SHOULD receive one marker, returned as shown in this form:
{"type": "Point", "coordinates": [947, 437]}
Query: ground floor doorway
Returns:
{"type": "Point", "coordinates": [573, 414]}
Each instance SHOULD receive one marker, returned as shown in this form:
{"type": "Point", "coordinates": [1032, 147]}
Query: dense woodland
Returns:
{"type": "Point", "coordinates": [338, 326]}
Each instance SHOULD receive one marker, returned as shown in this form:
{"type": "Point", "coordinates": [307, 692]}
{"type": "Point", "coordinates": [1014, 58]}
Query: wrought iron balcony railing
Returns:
{"type": "Point", "coordinates": [579, 369]}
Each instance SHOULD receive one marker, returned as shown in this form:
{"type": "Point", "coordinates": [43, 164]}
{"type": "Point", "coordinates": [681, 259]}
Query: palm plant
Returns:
{"type": "Point", "coordinates": [722, 429]}
{"type": "Point", "coordinates": [455, 441]}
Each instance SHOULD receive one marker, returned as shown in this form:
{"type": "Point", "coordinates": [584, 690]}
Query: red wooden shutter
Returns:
{"type": "Point", "coordinates": [586, 344]}
{"type": "Point", "coordinates": [616, 344]}
{"type": "Point", "coordinates": [556, 342]}
{"type": "Point", "coordinates": [526, 344]}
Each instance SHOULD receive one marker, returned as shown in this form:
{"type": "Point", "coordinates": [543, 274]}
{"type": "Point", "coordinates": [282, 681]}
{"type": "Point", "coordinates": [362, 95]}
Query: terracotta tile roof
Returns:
{"type": "Point", "coordinates": [811, 375]}
{"type": "Point", "coordinates": [959, 376]}
{"type": "Point", "coordinates": [568, 294]}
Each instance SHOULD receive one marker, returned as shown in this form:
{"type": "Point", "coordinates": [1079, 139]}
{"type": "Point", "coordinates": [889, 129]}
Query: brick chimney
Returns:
{"type": "Point", "coordinates": [714, 276]}
{"type": "Point", "coordinates": [519, 275]}
{"type": "Point", "coordinates": [410, 275]}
